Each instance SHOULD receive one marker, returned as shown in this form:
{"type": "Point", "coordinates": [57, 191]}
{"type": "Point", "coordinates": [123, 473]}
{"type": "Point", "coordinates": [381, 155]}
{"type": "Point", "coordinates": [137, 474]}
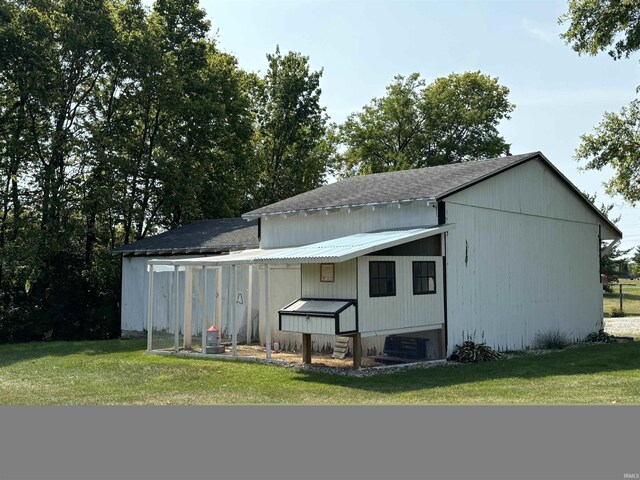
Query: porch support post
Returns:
{"type": "Point", "coordinates": [205, 312]}
{"type": "Point", "coordinates": [442, 345]}
{"type": "Point", "coordinates": [249, 302]}
{"type": "Point", "coordinates": [233, 292]}
{"type": "Point", "coordinates": [306, 348]}
{"type": "Point", "coordinates": [267, 326]}
{"type": "Point", "coordinates": [150, 311]}
{"type": "Point", "coordinates": [176, 334]}
{"type": "Point", "coordinates": [217, 320]}
{"type": "Point", "coordinates": [188, 307]}
{"type": "Point", "coordinates": [357, 351]}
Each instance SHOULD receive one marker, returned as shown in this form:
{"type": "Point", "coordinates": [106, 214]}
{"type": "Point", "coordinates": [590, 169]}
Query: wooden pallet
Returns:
{"type": "Point", "coordinates": [341, 348]}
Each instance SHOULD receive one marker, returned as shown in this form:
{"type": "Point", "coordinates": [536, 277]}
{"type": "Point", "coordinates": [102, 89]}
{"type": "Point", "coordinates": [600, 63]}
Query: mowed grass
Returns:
{"type": "Point", "coordinates": [630, 298]}
{"type": "Point", "coordinates": [120, 372]}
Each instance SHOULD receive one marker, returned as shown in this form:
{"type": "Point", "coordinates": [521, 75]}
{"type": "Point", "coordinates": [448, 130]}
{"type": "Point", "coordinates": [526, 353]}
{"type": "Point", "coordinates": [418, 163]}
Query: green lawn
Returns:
{"type": "Point", "coordinates": [120, 372]}
{"type": "Point", "coordinates": [630, 298]}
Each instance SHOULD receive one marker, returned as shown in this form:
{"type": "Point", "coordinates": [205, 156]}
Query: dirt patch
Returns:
{"type": "Point", "coordinates": [295, 358]}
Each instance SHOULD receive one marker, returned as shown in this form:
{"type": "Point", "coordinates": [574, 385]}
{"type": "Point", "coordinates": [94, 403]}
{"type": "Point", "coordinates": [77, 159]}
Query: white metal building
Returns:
{"type": "Point", "coordinates": [496, 250]}
{"type": "Point", "coordinates": [207, 237]}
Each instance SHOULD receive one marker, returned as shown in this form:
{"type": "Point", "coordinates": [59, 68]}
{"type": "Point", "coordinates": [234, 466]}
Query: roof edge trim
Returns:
{"type": "Point", "coordinates": [251, 216]}
{"type": "Point", "coordinates": [559, 174]}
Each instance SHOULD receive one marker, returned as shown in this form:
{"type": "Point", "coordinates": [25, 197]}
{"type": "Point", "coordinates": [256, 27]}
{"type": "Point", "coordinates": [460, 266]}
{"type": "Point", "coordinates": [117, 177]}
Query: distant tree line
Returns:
{"type": "Point", "coordinates": [118, 121]}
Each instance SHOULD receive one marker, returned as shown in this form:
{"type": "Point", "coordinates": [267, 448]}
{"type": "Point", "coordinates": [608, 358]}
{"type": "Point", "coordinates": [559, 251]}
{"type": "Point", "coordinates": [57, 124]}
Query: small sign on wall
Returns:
{"type": "Point", "coordinates": [327, 272]}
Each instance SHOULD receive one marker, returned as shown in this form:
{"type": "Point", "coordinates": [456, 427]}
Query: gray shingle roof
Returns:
{"type": "Point", "coordinates": [206, 236]}
{"type": "Point", "coordinates": [421, 183]}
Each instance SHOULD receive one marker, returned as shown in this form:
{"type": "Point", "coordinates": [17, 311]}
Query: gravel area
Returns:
{"type": "Point", "coordinates": [625, 326]}
{"type": "Point", "coordinates": [366, 371]}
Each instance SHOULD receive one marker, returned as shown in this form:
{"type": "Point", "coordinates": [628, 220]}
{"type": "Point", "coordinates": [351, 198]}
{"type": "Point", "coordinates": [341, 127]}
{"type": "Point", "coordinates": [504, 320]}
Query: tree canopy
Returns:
{"type": "Point", "coordinates": [453, 119]}
{"type": "Point", "coordinates": [616, 142]}
{"type": "Point", "coordinates": [291, 128]}
{"type": "Point", "coordinates": [595, 26]}
{"type": "Point", "coordinates": [118, 120]}
{"type": "Point", "coordinates": [599, 25]}
{"type": "Point", "coordinates": [612, 263]}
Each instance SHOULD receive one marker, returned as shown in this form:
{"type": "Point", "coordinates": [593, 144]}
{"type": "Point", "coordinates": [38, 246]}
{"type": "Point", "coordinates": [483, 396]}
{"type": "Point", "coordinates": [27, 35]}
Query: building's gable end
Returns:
{"type": "Point", "coordinates": [533, 187]}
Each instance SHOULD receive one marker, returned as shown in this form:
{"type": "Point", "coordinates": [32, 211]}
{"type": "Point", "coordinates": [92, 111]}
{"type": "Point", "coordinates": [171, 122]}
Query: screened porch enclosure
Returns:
{"type": "Point", "coordinates": [234, 294]}
{"type": "Point", "coordinates": [185, 301]}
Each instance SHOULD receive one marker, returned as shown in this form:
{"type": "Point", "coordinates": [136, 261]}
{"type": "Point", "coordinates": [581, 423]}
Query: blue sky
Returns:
{"type": "Point", "coordinates": [362, 45]}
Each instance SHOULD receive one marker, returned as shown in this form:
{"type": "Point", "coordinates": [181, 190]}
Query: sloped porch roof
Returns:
{"type": "Point", "coordinates": [333, 251]}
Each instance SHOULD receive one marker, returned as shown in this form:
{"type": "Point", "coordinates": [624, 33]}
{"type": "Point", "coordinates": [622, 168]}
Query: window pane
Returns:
{"type": "Point", "coordinates": [381, 278]}
{"type": "Point", "coordinates": [432, 284]}
{"type": "Point", "coordinates": [389, 286]}
{"type": "Point", "coordinates": [431, 269]}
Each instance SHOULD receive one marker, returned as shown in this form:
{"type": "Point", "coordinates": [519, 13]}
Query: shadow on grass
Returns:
{"type": "Point", "coordinates": [582, 360]}
{"type": "Point", "coordinates": [625, 296]}
{"type": "Point", "coordinates": [19, 352]}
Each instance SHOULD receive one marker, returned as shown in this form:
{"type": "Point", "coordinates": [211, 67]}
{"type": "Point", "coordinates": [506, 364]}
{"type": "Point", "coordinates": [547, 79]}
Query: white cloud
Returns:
{"type": "Point", "coordinates": [541, 33]}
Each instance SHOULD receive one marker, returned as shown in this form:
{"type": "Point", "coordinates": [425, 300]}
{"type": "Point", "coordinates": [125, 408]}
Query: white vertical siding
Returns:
{"type": "Point", "coordinates": [284, 288]}
{"type": "Point", "coordinates": [301, 229]}
{"type": "Point", "coordinates": [510, 276]}
{"type": "Point", "coordinates": [533, 189]}
{"type": "Point", "coordinates": [135, 291]}
{"type": "Point", "coordinates": [320, 325]}
{"type": "Point", "coordinates": [347, 319]}
{"type": "Point", "coordinates": [404, 312]}
{"type": "Point", "coordinates": [344, 286]}
{"type": "Point", "coordinates": [308, 324]}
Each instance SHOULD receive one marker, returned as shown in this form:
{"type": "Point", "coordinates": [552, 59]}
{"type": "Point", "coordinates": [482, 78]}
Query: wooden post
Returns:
{"type": "Point", "coordinates": [306, 348]}
{"type": "Point", "coordinates": [357, 351]}
{"type": "Point", "coordinates": [442, 346]}
{"type": "Point", "coordinates": [150, 312]}
{"type": "Point", "coordinates": [620, 296]}
{"type": "Point", "coordinates": [188, 307]}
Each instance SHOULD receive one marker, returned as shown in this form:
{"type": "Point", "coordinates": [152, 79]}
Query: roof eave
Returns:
{"type": "Point", "coordinates": [182, 251]}
{"type": "Point", "coordinates": [252, 215]}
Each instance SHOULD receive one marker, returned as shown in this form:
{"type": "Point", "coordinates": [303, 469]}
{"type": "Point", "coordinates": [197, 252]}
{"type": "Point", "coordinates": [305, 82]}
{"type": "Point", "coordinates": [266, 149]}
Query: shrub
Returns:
{"type": "Point", "coordinates": [554, 339]}
{"type": "Point", "coordinates": [600, 336]}
{"type": "Point", "coordinates": [471, 352]}
{"type": "Point", "coordinates": [616, 312]}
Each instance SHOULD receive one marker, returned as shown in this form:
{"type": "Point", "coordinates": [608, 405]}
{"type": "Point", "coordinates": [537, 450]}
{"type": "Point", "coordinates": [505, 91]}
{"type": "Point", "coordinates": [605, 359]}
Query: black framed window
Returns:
{"type": "Point", "coordinates": [424, 278]}
{"type": "Point", "coordinates": [382, 279]}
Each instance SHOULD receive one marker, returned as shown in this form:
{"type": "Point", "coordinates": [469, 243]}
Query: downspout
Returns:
{"type": "Point", "coordinates": [442, 219]}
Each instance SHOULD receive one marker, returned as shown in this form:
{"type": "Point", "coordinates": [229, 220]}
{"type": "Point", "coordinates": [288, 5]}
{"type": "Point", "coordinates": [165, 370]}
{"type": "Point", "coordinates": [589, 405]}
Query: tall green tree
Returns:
{"type": "Point", "coordinates": [291, 146]}
{"type": "Point", "coordinates": [53, 54]}
{"type": "Point", "coordinates": [598, 25]}
{"type": "Point", "coordinates": [593, 27]}
{"type": "Point", "coordinates": [613, 263]}
{"type": "Point", "coordinates": [453, 119]}
{"type": "Point", "coordinates": [115, 120]}
{"type": "Point", "coordinates": [636, 256]}
{"type": "Point", "coordinates": [616, 142]}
